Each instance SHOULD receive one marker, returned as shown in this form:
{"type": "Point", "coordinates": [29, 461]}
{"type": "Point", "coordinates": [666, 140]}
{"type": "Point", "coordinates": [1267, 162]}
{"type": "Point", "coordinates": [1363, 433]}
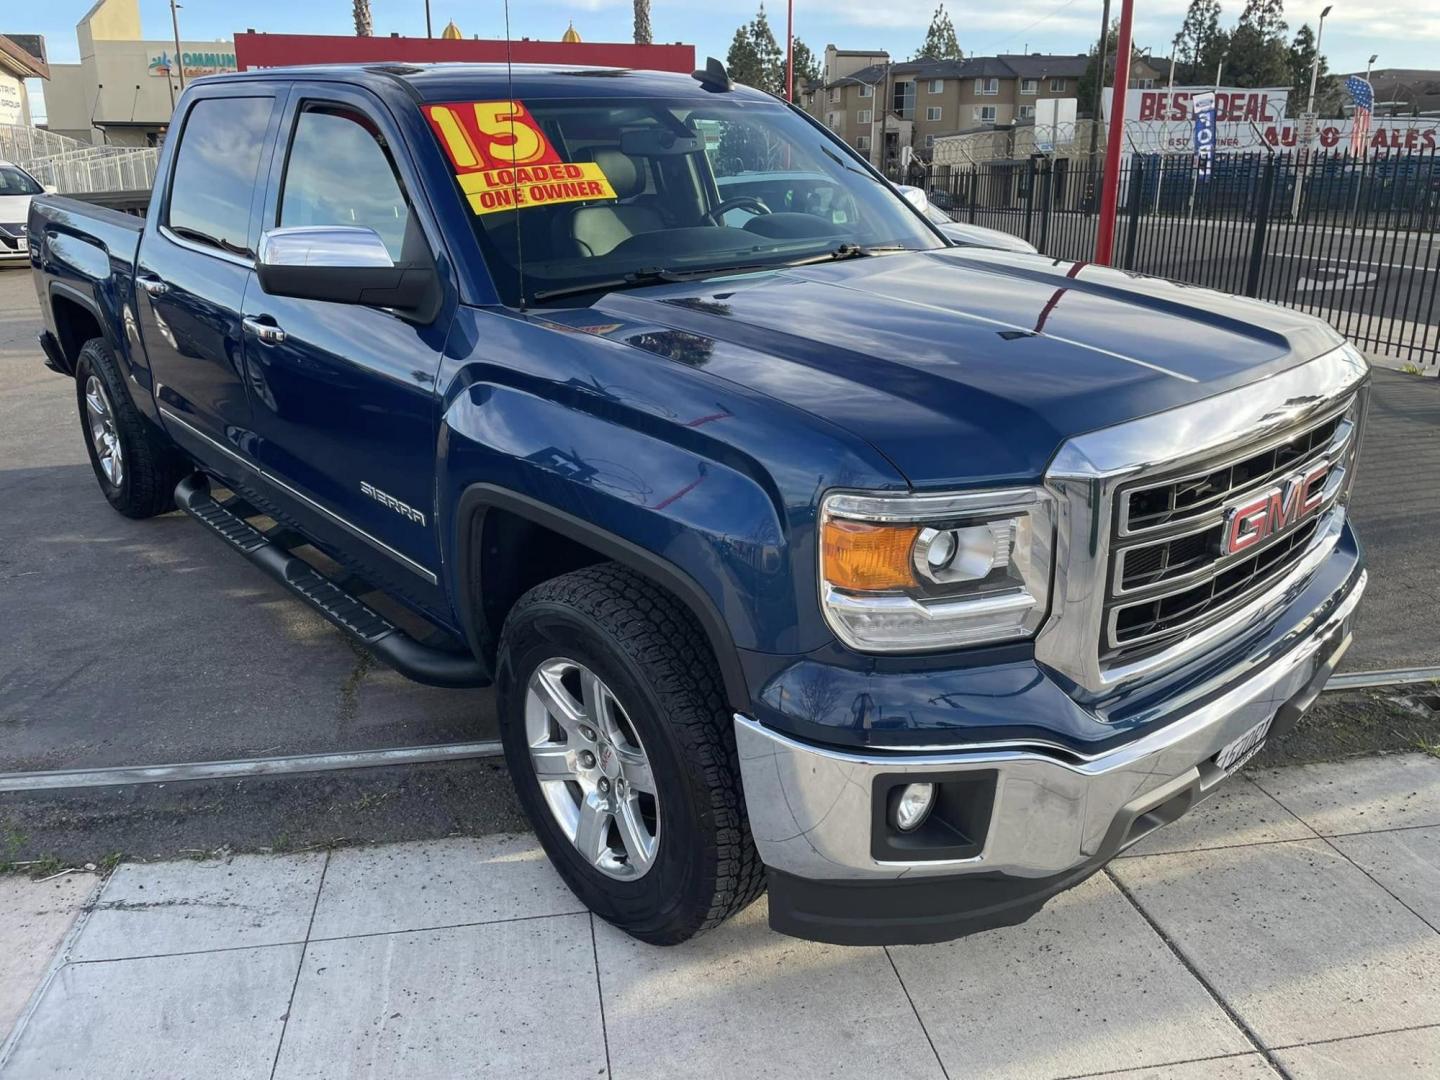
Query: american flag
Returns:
{"type": "Point", "coordinates": [1363, 94]}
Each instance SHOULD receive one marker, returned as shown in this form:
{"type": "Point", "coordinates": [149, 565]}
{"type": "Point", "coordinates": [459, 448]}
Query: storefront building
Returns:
{"type": "Point", "coordinates": [22, 56]}
{"type": "Point", "coordinates": [123, 90]}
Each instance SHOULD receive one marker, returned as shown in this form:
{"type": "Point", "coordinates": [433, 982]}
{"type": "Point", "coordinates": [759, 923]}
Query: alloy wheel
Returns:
{"type": "Point", "coordinates": [100, 418]}
{"type": "Point", "coordinates": [593, 770]}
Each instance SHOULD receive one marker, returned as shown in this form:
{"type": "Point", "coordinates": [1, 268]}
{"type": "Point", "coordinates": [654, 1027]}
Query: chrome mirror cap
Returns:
{"type": "Point", "coordinates": [323, 245]}
{"type": "Point", "coordinates": [915, 196]}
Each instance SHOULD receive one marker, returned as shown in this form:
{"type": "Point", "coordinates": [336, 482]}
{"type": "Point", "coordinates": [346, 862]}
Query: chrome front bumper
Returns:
{"type": "Point", "coordinates": [811, 810]}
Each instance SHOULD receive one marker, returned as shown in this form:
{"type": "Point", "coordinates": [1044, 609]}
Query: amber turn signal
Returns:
{"type": "Point", "coordinates": [868, 558]}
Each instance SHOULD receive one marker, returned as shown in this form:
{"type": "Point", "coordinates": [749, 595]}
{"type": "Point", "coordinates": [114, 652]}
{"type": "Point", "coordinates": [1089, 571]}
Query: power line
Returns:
{"type": "Point", "coordinates": [1037, 22]}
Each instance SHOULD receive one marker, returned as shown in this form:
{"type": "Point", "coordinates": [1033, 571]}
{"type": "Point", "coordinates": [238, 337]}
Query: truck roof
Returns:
{"type": "Point", "coordinates": [461, 82]}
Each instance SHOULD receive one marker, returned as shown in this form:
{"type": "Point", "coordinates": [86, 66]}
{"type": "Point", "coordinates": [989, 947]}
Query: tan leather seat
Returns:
{"type": "Point", "coordinates": [599, 229]}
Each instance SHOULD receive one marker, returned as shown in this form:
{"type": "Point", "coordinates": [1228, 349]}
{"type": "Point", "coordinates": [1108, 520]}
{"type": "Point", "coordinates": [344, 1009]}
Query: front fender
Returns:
{"type": "Point", "coordinates": [706, 487]}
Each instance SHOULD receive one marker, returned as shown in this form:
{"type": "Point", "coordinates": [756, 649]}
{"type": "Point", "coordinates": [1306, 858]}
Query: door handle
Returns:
{"type": "Point", "coordinates": [267, 332]}
{"type": "Point", "coordinates": [153, 286]}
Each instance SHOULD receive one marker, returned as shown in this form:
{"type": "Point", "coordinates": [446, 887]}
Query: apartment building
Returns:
{"type": "Point", "coordinates": [924, 99]}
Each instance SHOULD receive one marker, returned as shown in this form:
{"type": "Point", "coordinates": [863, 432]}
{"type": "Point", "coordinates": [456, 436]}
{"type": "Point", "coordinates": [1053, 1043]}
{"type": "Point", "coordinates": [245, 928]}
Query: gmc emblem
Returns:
{"type": "Point", "coordinates": [1290, 502]}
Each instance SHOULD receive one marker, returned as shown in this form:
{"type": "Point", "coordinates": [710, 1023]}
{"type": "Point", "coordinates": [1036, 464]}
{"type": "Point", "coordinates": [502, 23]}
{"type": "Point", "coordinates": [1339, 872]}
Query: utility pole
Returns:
{"type": "Point", "coordinates": [1114, 136]}
{"type": "Point", "coordinates": [1165, 131]}
{"type": "Point", "coordinates": [790, 51]}
{"type": "Point", "coordinates": [175, 25]}
{"type": "Point", "coordinates": [1100, 83]}
{"type": "Point", "coordinates": [427, 19]}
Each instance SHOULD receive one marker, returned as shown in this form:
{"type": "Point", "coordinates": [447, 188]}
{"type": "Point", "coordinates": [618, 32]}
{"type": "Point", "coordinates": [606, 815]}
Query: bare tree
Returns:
{"type": "Point", "coordinates": [364, 25]}
{"type": "Point", "coordinates": [642, 22]}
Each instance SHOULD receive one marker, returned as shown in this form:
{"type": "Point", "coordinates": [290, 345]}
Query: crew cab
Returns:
{"type": "Point", "coordinates": [804, 549]}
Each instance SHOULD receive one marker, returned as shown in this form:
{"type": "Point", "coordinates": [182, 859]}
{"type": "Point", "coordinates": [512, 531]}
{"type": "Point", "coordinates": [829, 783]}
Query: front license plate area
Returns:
{"type": "Point", "coordinates": [1237, 753]}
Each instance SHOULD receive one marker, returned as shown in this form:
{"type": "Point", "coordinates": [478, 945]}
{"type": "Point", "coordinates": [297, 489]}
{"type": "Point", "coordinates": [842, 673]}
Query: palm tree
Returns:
{"type": "Point", "coordinates": [364, 25]}
{"type": "Point", "coordinates": [642, 22]}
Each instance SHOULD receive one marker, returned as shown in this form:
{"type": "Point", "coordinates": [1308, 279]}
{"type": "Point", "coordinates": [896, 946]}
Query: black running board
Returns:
{"type": "Point", "coordinates": [423, 663]}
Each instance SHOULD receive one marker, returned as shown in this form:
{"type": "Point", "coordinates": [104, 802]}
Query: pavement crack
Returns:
{"type": "Point", "coordinates": [350, 689]}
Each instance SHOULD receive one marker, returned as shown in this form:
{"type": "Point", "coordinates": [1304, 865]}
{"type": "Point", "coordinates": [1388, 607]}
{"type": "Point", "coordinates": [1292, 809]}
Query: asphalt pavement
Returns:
{"type": "Point", "coordinates": [142, 642]}
{"type": "Point", "coordinates": [135, 643]}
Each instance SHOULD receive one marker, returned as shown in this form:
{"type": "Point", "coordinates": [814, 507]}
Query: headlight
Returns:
{"type": "Point", "coordinates": [909, 573]}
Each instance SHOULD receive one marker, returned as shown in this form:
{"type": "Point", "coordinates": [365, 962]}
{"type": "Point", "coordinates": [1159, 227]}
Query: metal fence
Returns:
{"type": "Point", "coordinates": [74, 167]}
{"type": "Point", "coordinates": [1353, 240]}
{"type": "Point", "coordinates": [95, 170]}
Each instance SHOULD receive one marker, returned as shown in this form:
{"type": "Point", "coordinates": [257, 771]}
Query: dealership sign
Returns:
{"type": "Point", "coordinates": [1204, 137]}
{"type": "Point", "coordinates": [194, 64]}
{"type": "Point", "coordinates": [1246, 120]}
{"type": "Point", "coordinates": [1232, 104]}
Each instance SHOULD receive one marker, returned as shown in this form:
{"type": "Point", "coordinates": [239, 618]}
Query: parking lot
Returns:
{"type": "Point", "coordinates": [146, 642]}
{"type": "Point", "coordinates": [1287, 928]}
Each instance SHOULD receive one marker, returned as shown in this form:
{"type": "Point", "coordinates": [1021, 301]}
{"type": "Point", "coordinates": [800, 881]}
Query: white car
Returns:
{"type": "Point", "coordinates": [958, 232]}
{"type": "Point", "coordinates": [16, 188]}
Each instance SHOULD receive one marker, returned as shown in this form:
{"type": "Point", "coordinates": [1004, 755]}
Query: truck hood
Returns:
{"type": "Point", "coordinates": [962, 366]}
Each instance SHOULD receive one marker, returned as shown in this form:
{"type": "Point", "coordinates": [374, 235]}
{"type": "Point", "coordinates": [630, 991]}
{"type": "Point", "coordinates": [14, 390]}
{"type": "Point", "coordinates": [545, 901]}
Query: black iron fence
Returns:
{"type": "Point", "coordinates": [1353, 240]}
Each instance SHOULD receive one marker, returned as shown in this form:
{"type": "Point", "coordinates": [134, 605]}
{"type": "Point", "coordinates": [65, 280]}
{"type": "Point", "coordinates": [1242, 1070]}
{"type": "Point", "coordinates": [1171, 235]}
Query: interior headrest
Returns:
{"type": "Point", "coordinates": [621, 170]}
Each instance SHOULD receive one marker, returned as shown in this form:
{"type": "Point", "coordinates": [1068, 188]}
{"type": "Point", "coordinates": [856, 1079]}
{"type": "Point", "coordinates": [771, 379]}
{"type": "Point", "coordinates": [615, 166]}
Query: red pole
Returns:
{"type": "Point", "coordinates": [790, 51]}
{"type": "Point", "coordinates": [1110, 191]}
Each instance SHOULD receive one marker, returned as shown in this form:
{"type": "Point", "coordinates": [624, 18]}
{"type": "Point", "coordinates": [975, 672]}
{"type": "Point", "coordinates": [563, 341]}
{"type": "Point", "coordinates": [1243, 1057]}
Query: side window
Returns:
{"type": "Point", "coordinates": [215, 168]}
{"type": "Point", "coordinates": [340, 173]}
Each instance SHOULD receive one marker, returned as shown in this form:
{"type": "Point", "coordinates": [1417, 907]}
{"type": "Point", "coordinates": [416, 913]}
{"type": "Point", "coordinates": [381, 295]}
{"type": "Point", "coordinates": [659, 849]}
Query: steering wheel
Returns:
{"type": "Point", "coordinates": [739, 202]}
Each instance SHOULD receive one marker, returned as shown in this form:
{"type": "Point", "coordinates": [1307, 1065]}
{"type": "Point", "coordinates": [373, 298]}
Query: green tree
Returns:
{"type": "Point", "coordinates": [1198, 35]}
{"type": "Point", "coordinates": [755, 57]}
{"type": "Point", "coordinates": [940, 40]}
{"type": "Point", "coordinates": [769, 53]}
{"type": "Point", "coordinates": [742, 61]}
{"type": "Point", "coordinates": [807, 65]}
{"type": "Point", "coordinates": [1258, 54]}
{"type": "Point", "coordinates": [642, 22]}
{"type": "Point", "coordinates": [1086, 94]}
{"type": "Point", "coordinates": [1299, 57]}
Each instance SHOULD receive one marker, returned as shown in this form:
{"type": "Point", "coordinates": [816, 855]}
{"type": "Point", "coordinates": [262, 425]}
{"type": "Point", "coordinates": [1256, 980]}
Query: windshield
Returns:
{"type": "Point", "coordinates": [15, 181]}
{"type": "Point", "coordinates": [614, 193]}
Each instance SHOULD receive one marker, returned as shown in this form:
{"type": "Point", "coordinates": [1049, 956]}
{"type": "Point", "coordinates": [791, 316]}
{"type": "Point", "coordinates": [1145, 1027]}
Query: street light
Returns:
{"type": "Point", "coordinates": [1315, 61]}
{"type": "Point", "coordinates": [175, 25]}
{"type": "Point", "coordinates": [1307, 122]}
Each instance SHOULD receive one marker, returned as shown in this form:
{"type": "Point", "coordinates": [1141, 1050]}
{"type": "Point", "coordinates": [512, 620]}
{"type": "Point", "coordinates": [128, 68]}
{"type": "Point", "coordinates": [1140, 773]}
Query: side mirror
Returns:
{"type": "Point", "coordinates": [345, 265]}
{"type": "Point", "coordinates": [915, 196]}
{"type": "Point", "coordinates": [51, 189]}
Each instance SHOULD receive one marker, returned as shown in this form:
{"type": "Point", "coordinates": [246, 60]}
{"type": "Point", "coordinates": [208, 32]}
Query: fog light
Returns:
{"type": "Point", "coordinates": [913, 806]}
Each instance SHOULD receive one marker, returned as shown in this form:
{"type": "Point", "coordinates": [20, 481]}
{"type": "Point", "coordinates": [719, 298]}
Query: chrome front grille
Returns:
{"type": "Point", "coordinates": [1141, 585]}
{"type": "Point", "coordinates": [1167, 575]}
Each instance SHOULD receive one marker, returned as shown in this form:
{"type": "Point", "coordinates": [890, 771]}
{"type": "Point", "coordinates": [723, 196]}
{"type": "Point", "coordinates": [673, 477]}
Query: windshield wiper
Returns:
{"type": "Point", "coordinates": [657, 275]}
{"type": "Point", "coordinates": [649, 276]}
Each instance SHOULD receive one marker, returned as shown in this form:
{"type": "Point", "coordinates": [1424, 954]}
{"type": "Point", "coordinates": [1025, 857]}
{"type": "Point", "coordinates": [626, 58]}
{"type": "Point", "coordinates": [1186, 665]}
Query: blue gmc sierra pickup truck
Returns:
{"type": "Point", "coordinates": [805, 550]}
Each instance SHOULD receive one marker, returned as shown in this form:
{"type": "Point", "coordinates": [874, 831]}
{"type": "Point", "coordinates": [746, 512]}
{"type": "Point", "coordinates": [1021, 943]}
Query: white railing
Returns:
{"type": "Point", "coordinates": [82, 171]}
{"type": "Point", "coordinates": [75, 167]}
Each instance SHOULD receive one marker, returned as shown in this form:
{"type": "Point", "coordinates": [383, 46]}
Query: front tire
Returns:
{"type": "Point", "coordinates": [136, 468]}
{"type": "Point", "coordinates": [622, 751]}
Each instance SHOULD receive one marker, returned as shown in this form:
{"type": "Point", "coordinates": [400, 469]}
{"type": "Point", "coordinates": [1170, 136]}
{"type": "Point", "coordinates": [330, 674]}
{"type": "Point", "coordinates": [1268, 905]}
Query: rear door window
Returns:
{"type": "Point", "coordinates": [213, 182]}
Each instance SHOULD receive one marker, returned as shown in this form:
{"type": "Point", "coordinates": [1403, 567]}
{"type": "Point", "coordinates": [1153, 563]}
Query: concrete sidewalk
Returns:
{"type": "Point", "coordinates": [1291, 924]}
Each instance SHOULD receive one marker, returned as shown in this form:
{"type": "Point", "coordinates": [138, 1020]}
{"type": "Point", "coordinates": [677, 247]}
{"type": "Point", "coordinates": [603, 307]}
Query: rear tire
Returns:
{"type": "Point", "coordinates": [135, 465]}
{"type": "Point", "coordinates": [637, 644]}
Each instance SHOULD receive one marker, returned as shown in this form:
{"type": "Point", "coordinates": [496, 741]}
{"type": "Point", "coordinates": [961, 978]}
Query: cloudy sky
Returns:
{"type": "Point", "coordinates": [1404, 34]}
